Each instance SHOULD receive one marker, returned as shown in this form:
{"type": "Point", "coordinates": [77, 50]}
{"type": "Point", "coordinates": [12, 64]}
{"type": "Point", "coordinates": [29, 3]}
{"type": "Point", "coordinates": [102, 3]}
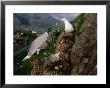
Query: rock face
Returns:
{"type": "Point", "coordinates": [74, 57]}
{"type": "Point", "coordinates": [64, 45]}
{"type": "Point", "coordinates": [84, 51]}
{"type": "Point", "coordinates": [37, 68]}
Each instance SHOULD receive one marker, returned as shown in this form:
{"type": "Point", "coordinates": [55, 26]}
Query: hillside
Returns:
{"type": "Point", "coordinates": [36, 22]}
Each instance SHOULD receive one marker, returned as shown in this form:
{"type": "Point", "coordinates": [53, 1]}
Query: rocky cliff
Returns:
{"type": "Point", "coordinates": [74, 55]}
{"type": "Point", "coordinates": [84, 51]}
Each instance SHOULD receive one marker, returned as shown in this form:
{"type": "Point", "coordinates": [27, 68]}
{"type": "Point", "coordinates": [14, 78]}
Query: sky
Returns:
{"type": "Point", "coordinates": [69, 16]}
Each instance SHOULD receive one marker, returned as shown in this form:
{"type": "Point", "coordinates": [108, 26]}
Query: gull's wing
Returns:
{"type": "Point", "coordinates": [37, 43]}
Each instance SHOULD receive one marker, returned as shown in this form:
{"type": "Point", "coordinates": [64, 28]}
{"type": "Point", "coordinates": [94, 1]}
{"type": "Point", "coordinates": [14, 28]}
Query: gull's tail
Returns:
{"type": "Point", "coordinates": [27, 57]}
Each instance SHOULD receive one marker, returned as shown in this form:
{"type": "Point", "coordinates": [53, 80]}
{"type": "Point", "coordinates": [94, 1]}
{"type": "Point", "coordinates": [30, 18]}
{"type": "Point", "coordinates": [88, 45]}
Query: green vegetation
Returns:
{"type": "Point", "coordinates": [24, 68]}
{"type": "Point", "coordinates": [22, 38]}
{"type": "Point", "coordinates": [78, 22]}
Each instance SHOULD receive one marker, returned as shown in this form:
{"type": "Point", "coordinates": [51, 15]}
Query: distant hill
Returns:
{"type": "Point", "coordinates": [37, 22]}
